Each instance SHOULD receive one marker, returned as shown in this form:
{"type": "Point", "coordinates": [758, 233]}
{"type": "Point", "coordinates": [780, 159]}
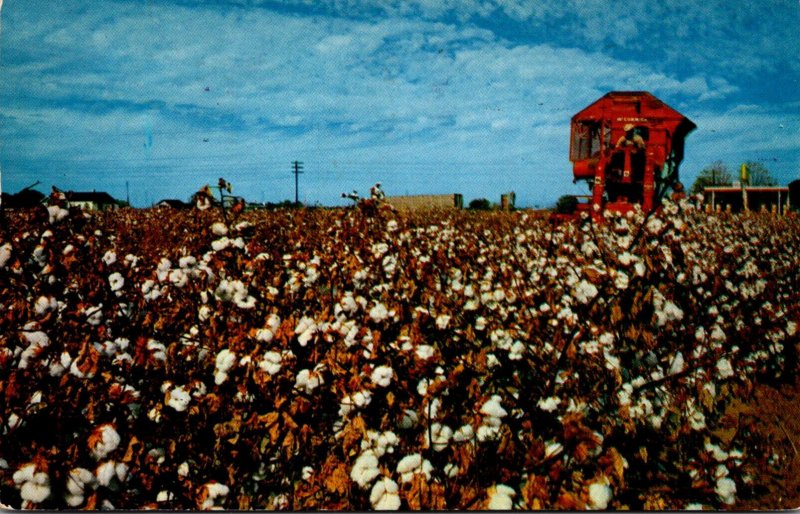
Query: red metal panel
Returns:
{"type": "Point", "coordinates": [627, 170]}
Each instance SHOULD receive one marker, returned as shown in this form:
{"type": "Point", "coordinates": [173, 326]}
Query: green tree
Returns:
{"type": "Point", "coordinates": [480, 204]}
{"type": "Point", "coordinates": [759, 175]}
{"type": "Point", "coordinates": [715, 174]}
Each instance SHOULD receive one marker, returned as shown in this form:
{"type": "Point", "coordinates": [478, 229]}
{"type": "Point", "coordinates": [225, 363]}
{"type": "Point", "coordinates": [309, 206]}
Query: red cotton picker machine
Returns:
{"type": "Point", "coordinates": [627, 146]}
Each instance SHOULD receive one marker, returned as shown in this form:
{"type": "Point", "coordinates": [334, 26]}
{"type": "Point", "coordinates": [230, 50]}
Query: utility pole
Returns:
{"type": "Point", "coordinates": [297, 168]}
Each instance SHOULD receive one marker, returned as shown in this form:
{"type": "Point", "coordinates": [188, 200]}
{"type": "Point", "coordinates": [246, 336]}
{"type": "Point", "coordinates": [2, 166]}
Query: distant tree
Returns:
{"type": "Point", "coordinates": [566, 204]}
{"type": "Point", "coordinates": [480, 204]}
{"type": "Point", "coordinates": [715, 174]}
{"type": "Point", "coordinates": [759, 175]}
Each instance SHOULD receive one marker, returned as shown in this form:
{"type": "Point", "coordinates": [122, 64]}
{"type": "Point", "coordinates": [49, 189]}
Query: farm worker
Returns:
{"type": "Point", "coordinates": [376, 193]}
{"type": "Point", "coordinates": [203, 198]}
{"type": "Point", "coordinates": [631, 137]}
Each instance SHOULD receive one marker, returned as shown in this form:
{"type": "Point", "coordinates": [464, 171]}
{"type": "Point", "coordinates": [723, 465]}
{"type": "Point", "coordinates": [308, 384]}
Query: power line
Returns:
{"type": "Point", "coordinates": [297, 167]}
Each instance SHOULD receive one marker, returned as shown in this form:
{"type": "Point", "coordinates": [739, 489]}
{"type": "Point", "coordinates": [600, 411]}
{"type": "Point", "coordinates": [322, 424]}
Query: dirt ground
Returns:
{"type": "Point", "coordinates": [773, 418]}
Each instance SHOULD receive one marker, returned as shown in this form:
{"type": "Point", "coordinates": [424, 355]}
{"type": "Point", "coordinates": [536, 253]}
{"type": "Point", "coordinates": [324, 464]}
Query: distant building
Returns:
{"type": "Point", "coordinates": [91, 201]}
{"type": "Point", "coordinates": [417, 202]}
{"type": "Point", "coordinates": [173, 203]}
{"type": "Point", "coordinates": [738, 198]}
{"type": "Point", "coordinates": [508, 201]}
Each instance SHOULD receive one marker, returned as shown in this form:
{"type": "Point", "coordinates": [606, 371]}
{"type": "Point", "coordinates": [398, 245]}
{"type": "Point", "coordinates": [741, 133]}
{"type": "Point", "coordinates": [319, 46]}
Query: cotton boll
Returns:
{"type": "Point", "coordinates": [549, 404]}
{"type": "Point", "coordinates": [585, 291]}
{"type": "Point", "coordinates": [271, 363]}
{"type": "Point", "coordinates": [34, 493]}
{"type": "Point", "coordinates": [724, 368]}
{"type": "Point", "coordinates": [178, 399]}
{"type": "Point", "coordinates": [365, 469]}
{"type": "Point", "coordinates": [412, 464]}
{"type": "Point", "coordinates": [224, 362]}
{"type": "Point", "coordinates": [308, 380]}
{"type": "Point", "coordinates": [439, 436]}
{"type": "Point", "coordinates": [78, 479]}
{"type": "Point", "coordinates": [424, 351]}
{"type": "Point", "coordinates": [378, 313]}
{"type": "Point", "coordinates": [5, 255]}
{"type": "Point", "coordinates": [105, 473]}
{"type": "Point", "coordinates": [212, 494]}
{"type": "Point", "coordinates": [103, 441]}
{"type": "Point", "coordinates": [599, 495]}
{"type": "Point", "coordinates": [493, 408]}
{"type": "Point", "coordinates": [384, 495]}
{"type": "Point", "coordinates": [219, 229]}
{"type": "Point", "coordinates": [678, 364]}
{"type": "Point", "coordinates": [45, 304]}
{"type": "Point", "coordinates": [726, 490]}
{"type": "Point", "coordinates": [501, 497]}
{"type": "Point", "coordinates": [382, 376]}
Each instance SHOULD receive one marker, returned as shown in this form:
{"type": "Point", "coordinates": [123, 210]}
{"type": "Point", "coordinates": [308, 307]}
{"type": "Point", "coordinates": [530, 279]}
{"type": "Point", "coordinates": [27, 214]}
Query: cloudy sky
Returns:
{"type": "Point", "coordinates": [425, 96]}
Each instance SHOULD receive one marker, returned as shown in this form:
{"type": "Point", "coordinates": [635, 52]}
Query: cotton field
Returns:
{"type": "Point", "coordinates": [338, 359]}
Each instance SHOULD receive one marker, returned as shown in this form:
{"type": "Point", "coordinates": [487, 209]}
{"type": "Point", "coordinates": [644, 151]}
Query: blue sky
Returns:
{"type": "Point", "coordinates": [425, 96]}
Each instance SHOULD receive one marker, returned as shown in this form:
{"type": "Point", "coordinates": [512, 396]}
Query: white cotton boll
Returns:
{"type": "Point", "coordinates": [108, 442]}
{"type": "Point", "coordinates": [116, 281]}
{"type": "Point", "coordinates": [724, 368]}
{"type": "Point", "coordinates": [488, 433]}
{"type": "Point", "coordinates": [464, 433]}
{"type": "Point", "coordinates": [517, 351]}
{"type": "Point", "coordinates": [308, 380]}
{"type": "Point", "coordinates": [442, 321]}
{"type": "Point", "coordinates": [24, 474]}
{"type": "Point", "coordinates": [271, 363]}
{"type": "Point", "coordinates": [549, 404]}
{"type": "Point", "coordinates": [451, 470]}
{"type": "Point", "coordinates": [726, 490]}
{"type": "Point", "coordinates": [105, 473]}
{"type": "Point", "coordinates": [424, 351]}
{"type": "Point", "coordinates": [382, 376]}
{"type": "Point", "coordinates": [501, 497]}
{"type": "Point", "coordinates": [5, 254]}
{"type": "Point", "coordinates": [585, 291]}
{"type": "Point", "coordinates": [697, 421]}
{"type": "Point", "coordinates": [109, 257]}
{"type": "Point", "coordinates": [493, 408]}
{"type": "Point", "coordinates": [552, 448]}
{"type": "Point", "coordinates": [178, 399]}
{"type": "Point", "coordinates": [440, 436]}
{"type": "Point", "coordinates": [183, 469]}
{"type": "Point", "coordinates": [378, 313]}
{"type": "Point", "coordinates": [164, 496]}
{"type": "Point", "coordinates": [56, 213]}
{"type": "Point", "coordinates": [694, 506]}
{"type": "Point", "coordinates": [37, 338]}
{"type": "Point", "coordinates": [34, 493]}
{"type": "Point", "coordinates": [384, 495]}
{"type": "Point", "coordinates": [214, 491]}
{"type": "Point", "coordinates": [78, 479]}
{"type": "Point", "coordinates": [621, 280]}
{"type": "Point", "coordinates": [599, 495]}
{"type": "Point", "coordinates": [408, 420]}
{"type": "Point", "coordinates": [219, 229]}
{"type": "Point", "coordinates": [678, 364]}
{"type": "Point", "coordinates": [225, 360]}
{"type": "Point", "coordinates": [365, 469]}
{"type": "Point", "coordinates": [121, 471]}
{"type": "Point", "coordinates": [717, 453]}
{"type": "Point", "coordinates": [45, 304]}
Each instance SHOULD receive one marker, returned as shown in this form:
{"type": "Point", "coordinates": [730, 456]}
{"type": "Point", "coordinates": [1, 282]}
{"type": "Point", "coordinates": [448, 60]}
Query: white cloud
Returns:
{"type": "Point", "coordinates": [397, 93]}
